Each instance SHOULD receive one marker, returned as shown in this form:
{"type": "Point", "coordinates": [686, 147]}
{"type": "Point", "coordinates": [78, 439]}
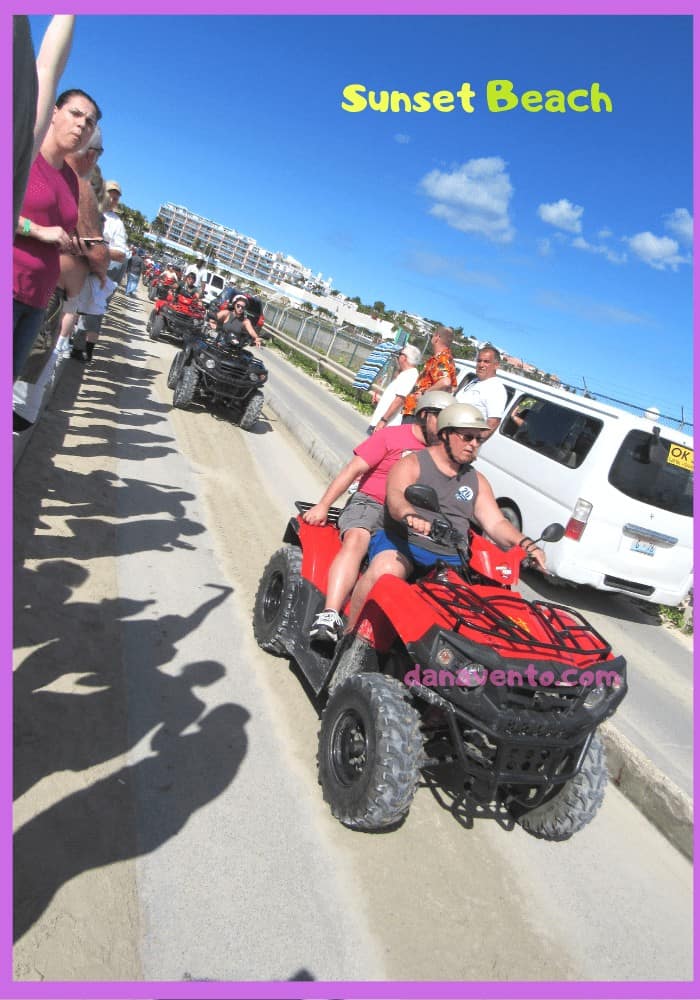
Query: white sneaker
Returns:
{"type": "Point", "coordinates": [327, 627]}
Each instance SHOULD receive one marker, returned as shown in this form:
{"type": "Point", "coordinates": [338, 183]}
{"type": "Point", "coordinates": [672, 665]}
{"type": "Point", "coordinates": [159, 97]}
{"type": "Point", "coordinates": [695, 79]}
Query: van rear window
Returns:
{"type": "Point", "coordinates": [555, 431]}
{"type": "Point", "coordinates": [656, 471]}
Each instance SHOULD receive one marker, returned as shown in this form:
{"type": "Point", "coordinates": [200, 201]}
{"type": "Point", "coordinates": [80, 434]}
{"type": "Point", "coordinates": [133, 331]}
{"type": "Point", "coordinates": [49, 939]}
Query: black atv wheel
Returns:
{"type": "Point", "coordinates": [575, 804]}
{"type": "Point", "coordinates": [175, 369]}
{"type": "Point", "coordinates": [157, 327]}
{"type": "Point", "coordinates": [252, 411]}
{"type": "Point", "coordinates": [358, 657]}
{"type": "Point", "coordinates": [185, 387]}
{"type": "Point", "coordinates": [149, 321]}
{"type": "Point", "coordinates": [370, 751]}
{"type": "Point", "coordinates": [274, 601]}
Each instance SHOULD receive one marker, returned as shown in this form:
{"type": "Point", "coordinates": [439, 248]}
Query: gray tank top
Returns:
{"type": "Point", "coordinates": [456, 494]}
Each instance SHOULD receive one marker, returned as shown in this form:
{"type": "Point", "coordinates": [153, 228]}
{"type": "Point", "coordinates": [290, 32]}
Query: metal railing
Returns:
{"type": "Point", "coordinates": [344, 350]}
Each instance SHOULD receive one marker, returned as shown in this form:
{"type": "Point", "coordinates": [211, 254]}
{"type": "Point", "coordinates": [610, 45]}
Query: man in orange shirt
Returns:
{"type": "Point", "coordinates": [439, 372]}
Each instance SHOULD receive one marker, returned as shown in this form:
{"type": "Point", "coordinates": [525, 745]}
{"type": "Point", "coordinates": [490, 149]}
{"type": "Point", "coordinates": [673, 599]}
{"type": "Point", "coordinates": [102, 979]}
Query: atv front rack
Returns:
{"type": "Point", "coordinates": [513, 626]}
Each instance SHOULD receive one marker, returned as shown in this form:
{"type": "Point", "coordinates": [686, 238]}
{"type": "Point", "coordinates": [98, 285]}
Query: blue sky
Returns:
{"type": "Point", "coordinates": [565, 239]}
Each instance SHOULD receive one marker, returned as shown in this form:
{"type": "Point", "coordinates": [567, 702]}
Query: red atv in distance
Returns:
{"type": "Point", "coordinates": [176, 316]}
{"type": "Point", "coordinates": [158, 287]}
{"type": "Point", "coordinates": [496, 698]}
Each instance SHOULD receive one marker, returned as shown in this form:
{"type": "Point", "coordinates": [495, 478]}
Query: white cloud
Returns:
{"type": "Point", "coordinates": [544, 247]}
{"type": "Point", "coordinates": [604, 234]}
{"type": "Point", "coordinates": [582, 244]}
{"type": "Point", "coordinates": [562, 214]}
{"type": "Point", "coordinates": [473, 198]}
{"type": "Point", "coordinates": [401, 138]}
{"type": "Point", "coordinates": [659, 252]}
{"type": "Point", "coordinates": [680, 223]}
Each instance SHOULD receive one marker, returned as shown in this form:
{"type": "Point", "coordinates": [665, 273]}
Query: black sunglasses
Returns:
{"type": "Point", "coordinates": [465, 435]}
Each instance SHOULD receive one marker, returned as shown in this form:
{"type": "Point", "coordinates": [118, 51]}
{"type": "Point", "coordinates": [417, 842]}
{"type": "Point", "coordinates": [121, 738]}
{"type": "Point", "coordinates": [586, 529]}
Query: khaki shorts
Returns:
{"type": "Point", "coordinates": [361, 511]}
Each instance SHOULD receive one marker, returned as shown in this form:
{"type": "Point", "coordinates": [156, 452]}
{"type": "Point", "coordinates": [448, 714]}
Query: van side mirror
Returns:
{"type": "Point", "coordinates": [423, 496]}
{"type": "Point", "coordinates": [552, 533]}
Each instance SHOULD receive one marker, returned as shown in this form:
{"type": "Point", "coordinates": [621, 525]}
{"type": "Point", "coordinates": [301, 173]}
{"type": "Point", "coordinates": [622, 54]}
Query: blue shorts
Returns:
{"type": "Point", "coordinates": [382, 542]}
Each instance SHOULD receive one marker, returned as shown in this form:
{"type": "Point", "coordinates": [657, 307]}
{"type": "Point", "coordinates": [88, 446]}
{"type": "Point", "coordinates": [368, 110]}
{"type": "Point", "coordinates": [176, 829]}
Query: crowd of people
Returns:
{"type": "Point", "coordinates": [70, 245]}
{"type": "Point", "coordinates": [70, 248]}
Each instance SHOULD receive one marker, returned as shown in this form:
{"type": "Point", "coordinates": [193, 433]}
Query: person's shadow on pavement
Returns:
{"type": "Point", "coordinates": [129, 814]}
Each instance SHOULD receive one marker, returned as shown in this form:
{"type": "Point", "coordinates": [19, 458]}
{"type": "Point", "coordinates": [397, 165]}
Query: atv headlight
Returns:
{"type": "Point", "coordinates": [253, 376]}
{"type": "Point", "coordinates": [471, 676]}
{"type": "Point", "coordinates": [467, 674]}
{"type": "Point", "coordinates": [210, 363]}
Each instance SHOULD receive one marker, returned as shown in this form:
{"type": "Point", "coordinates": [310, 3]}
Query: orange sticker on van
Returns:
{"type": "Point", "coordinates": [681, 456]}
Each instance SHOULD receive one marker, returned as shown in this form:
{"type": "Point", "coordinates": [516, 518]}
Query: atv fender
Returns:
{"type": "Point", "coordinates": [317, 556]}
{"type": "Point", "coordinates": [396, 608]}
{"type": "Point", "coordinates": [291, 532]}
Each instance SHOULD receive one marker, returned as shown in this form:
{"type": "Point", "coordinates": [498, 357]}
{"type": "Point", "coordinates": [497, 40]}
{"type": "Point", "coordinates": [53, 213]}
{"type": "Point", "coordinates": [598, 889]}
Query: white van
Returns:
{"type": "Point", "coordinates": [213, 286]}
{"type": "Point", "coordinates": [622, 485]}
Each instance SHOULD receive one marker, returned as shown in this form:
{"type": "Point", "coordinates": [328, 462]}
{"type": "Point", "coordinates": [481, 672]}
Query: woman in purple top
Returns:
{"type": "Point", "coordinates": [46, 226]}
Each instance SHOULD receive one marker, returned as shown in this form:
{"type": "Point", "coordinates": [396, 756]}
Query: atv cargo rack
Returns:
{"type": "Point", "coordinates": [514, 626]}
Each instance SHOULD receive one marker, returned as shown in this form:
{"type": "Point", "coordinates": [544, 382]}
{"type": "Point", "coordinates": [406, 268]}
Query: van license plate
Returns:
{"type": "Point", "coordinates": [644, 547]}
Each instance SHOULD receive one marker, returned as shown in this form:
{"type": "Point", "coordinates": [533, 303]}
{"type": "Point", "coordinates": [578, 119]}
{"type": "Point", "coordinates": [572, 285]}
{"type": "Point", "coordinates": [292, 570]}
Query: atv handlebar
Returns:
{"type": "Point", "coordinates": [479, 554]}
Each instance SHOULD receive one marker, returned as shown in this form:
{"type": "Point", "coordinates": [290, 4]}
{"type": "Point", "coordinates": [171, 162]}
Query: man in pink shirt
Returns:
{"type": "Point", "coordinates": [364, 513]}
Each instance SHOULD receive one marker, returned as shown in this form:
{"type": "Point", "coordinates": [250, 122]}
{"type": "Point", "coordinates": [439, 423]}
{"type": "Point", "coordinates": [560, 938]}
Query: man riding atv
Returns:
{"type": "Point", "coordinates": [496, 699]}
{"type": "Point", "coordinates": [188, 287]}
{"type": "Point", "coordinates": [177, 313]}
{"type": "Point", "coordinates": [464, 495]}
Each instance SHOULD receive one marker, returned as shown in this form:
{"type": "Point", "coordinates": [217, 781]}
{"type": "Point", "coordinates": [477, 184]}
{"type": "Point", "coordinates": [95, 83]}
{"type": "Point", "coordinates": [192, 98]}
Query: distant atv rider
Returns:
{"type": "Point", "coordinates": [188, 287]}
{"type": "Point", "coordinates": [236, 329]}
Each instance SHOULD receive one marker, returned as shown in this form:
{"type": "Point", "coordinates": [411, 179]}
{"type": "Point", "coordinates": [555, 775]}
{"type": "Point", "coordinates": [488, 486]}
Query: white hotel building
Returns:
{"type": "Point", "coordinates": [227, 248]}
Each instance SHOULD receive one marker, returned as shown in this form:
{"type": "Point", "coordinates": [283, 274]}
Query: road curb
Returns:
{"type": "Point", "coordinates": [661, 801]}
{"type": "Point", "coordinates": [327, 460]}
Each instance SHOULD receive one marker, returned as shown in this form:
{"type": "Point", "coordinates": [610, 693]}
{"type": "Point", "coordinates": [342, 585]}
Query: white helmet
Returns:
{"type": "Point", "coordinates": [463, 416]}
{"type": "Point", "coordinates": [435, 399]}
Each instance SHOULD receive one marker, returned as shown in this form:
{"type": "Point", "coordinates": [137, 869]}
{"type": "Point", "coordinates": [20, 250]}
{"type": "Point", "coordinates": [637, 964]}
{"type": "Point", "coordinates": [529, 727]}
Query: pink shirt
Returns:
{"type": "Point", "coordinates": [380, 451]}
{"type": "Point", "coordinates": [51, 199]}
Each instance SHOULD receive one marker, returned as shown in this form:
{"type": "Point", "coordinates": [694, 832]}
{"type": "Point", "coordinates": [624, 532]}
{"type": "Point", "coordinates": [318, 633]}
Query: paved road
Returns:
{"type": "Point", "coordinates": [657, 714]}
{"type": "Point", "coordinates": [167, 764]}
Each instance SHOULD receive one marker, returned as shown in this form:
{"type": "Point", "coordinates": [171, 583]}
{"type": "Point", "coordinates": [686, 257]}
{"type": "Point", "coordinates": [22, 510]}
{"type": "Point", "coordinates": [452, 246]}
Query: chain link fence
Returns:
{"type": "Point", "coordinates": [346, 347]}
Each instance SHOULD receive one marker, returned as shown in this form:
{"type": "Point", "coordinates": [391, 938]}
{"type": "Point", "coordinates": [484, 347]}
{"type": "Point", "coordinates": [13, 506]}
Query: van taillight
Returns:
{"type": "Point", "coordinates": [578, 520]}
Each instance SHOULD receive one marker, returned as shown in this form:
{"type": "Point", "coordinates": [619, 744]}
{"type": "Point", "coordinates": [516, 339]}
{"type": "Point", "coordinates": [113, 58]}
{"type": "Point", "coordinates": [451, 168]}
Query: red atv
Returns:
{"type": "Point", "coordinates": [159, 287]}
{"type": "Point", "coordinates": [496, 698]}
{"type": "Point", "coordinates": [175, 316]}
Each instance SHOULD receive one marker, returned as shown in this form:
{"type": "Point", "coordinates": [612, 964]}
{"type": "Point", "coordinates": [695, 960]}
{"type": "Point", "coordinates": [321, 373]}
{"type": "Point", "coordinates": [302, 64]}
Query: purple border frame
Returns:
{"type": "Point", "coordinates": [10, 990]}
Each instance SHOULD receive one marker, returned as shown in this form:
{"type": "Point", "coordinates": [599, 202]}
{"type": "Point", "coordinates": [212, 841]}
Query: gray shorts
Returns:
{"type": "Point", "coordinates": [361, 511]}
{"type": "Point", "coordinates": [89, 322]}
